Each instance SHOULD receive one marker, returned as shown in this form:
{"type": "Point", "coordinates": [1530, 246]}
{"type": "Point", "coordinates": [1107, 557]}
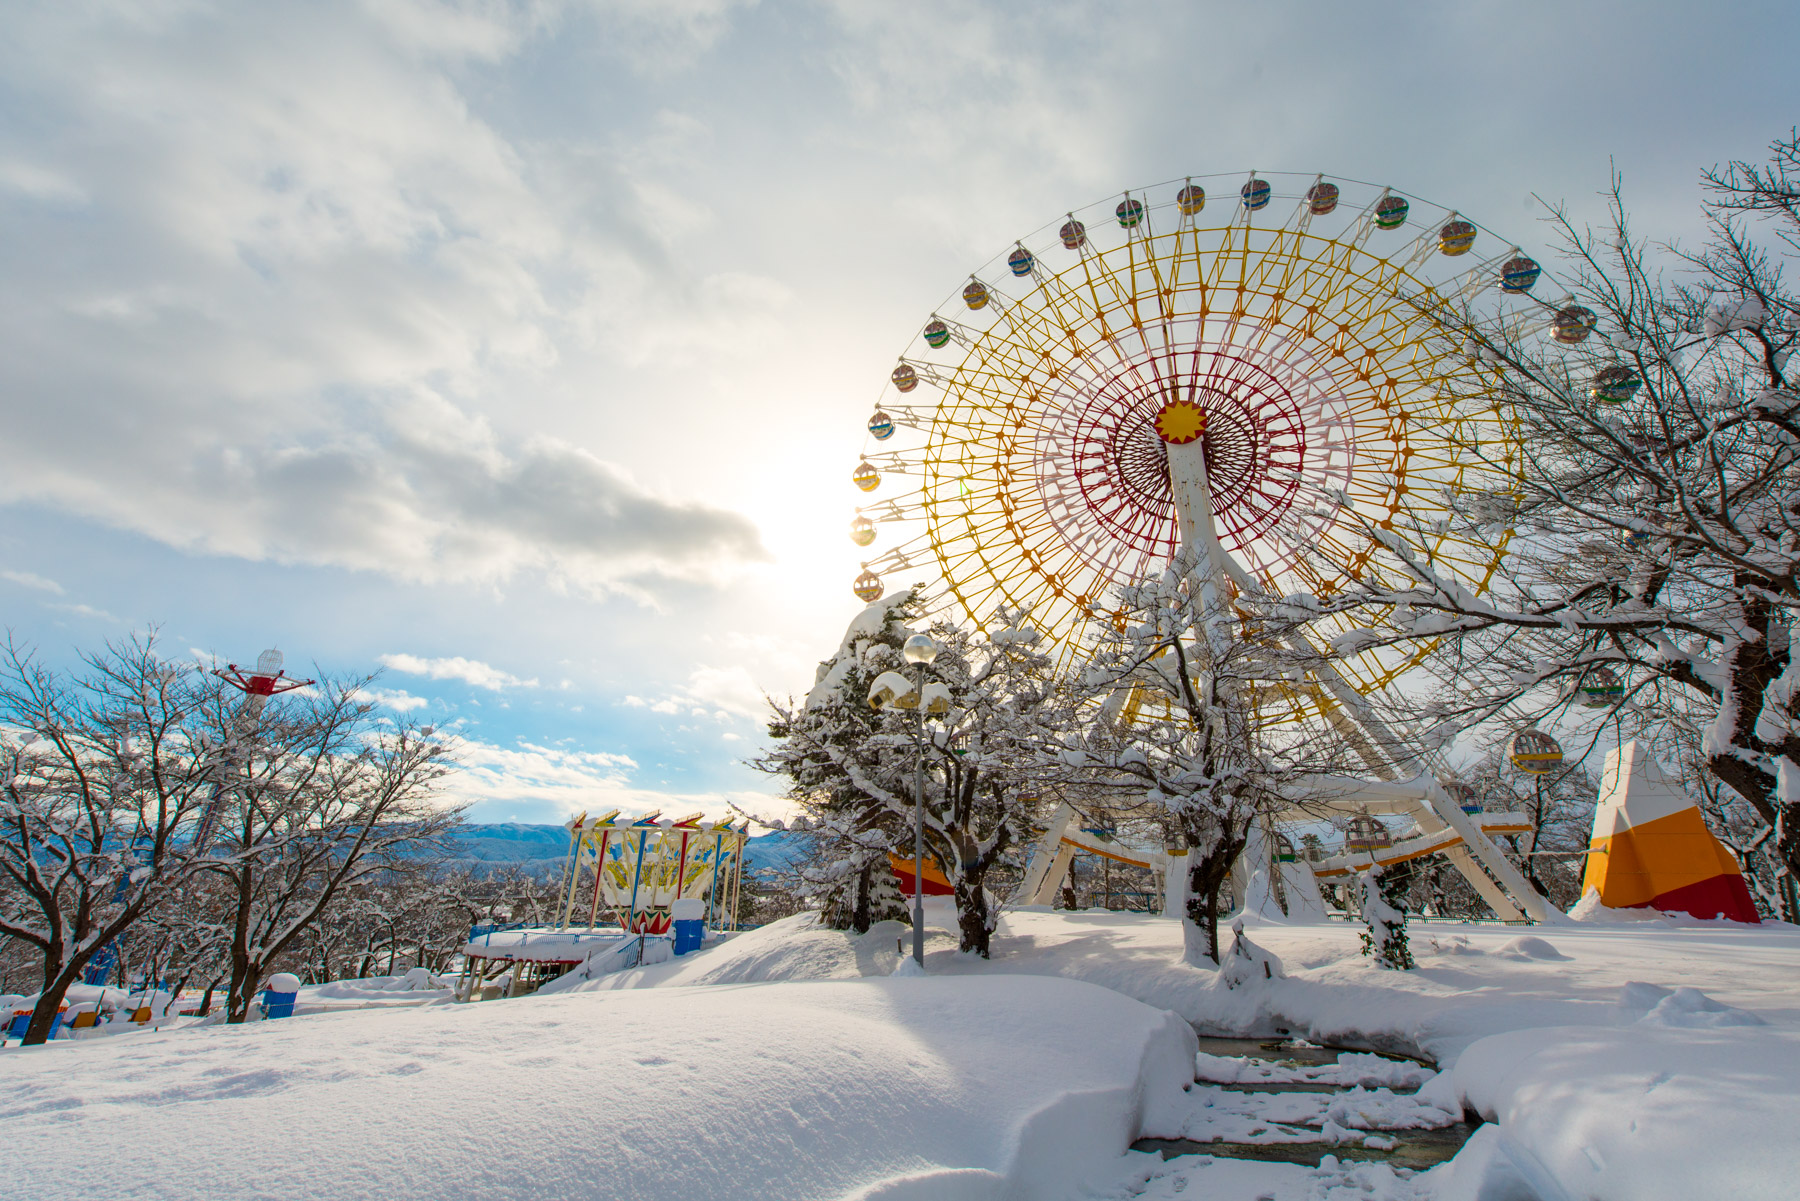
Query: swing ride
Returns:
{"type": "Point", "coordinates": [651, 876]}
{"type": "Point", "coordinates": [1274, 372]}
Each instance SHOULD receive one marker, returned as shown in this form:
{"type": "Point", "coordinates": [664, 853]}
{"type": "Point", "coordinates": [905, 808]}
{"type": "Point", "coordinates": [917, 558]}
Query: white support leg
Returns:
{"type": "Point", "coordinates": [1193, 508]}
{"type": "Point", "coordinates": [1175, 884]}
{"type": "Point", "coordinates": [1053, 879]}
{"type": "Point", "coordinates": [1040, 869]}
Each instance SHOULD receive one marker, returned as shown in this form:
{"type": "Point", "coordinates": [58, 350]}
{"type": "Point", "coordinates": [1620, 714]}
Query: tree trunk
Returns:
{"type": "Point", "coordinates": [859, 919]}
{"type": "Point", "coordinates": [1755, 663]}
{"type": "Point", "coordinates": [245, 975]}
{"type": "Point", "coordinates": [972, 917]}
{"type": "Point", "coordinates": [1207, 876]}
{"type": "Point", "coordinates": [43, 1014]}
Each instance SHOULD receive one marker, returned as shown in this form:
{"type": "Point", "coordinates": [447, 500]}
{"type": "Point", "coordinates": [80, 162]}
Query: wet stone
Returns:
{"type": "Point", "coordinates": [1412, 1148]}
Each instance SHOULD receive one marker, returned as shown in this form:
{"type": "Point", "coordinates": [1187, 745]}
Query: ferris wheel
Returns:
{"type": "Point", "coordinates": [1315, 333]}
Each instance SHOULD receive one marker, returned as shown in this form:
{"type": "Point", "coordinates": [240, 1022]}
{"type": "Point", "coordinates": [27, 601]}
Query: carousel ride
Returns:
{"type": "Point", "coordinates": [1262, 369]}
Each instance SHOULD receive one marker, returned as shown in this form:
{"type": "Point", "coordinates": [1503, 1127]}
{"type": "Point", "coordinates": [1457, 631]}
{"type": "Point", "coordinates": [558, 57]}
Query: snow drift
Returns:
{"type": "Point", "coordinates": [897, 1089]}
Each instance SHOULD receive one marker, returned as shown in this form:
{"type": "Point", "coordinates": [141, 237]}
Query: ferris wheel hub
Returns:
{"type": "Point", "coordinates": [1180, 421]}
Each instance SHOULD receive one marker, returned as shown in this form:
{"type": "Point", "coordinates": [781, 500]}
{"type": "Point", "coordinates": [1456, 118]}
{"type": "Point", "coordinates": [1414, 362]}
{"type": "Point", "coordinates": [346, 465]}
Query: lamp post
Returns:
{"type": "Point", "coordinates": [921, 650]}
{"type": "Point", "coordinates": [893, 688]}
{"type": "Point", "coordinates": [267, 679]}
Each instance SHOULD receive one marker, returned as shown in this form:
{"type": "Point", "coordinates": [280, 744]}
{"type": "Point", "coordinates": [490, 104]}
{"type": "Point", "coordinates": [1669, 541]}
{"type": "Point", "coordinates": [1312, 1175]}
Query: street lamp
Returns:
{"type": "Point", "coordinates": [265, 680]}
{"type": "Point", "coordinates": [893, 688]}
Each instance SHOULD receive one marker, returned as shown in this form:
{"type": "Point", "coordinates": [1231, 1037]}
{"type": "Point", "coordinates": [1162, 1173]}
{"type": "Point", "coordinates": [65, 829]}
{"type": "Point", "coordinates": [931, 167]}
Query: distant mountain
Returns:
{"type": "Point", "coordinates": [510, 842]}
{"type": "Point", "coordinates": [543, 848]}
{"type": "Point", "coordinates": [778, 851]}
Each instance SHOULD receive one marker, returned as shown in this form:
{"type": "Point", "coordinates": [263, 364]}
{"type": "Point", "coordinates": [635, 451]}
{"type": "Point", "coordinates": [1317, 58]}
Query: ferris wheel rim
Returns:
{"type": "Point", "coordinates": [1139, 210]}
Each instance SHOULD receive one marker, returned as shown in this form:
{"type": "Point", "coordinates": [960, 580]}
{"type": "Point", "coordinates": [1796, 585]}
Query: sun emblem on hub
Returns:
{"type": "Point", "coordinates": [1180, 421]}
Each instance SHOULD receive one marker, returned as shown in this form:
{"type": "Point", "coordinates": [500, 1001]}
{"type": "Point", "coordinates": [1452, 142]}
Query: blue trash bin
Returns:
{"type": "Point", "coordinates": [690, 924]}
{"type": "Point", "coordinates": [278, 997]}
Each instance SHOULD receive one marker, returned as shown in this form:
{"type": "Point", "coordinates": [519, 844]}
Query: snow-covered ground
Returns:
{"type": "Point", "coordinates": [1618, 1060]}
{"type": "Point", "coordinates": [1472, 980]}
{"type": "Point", "coordinates": [1640, 1060]}
{"type": "Point", "coordinates": [892, 1088]}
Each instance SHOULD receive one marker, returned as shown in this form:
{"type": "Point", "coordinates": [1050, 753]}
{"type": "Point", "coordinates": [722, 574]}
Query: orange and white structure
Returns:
{"type": "Point", "coordinates": [1651, 848]}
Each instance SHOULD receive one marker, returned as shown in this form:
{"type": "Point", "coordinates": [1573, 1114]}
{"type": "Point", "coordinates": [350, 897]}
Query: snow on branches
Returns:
{"type": "Point", "coordinates": [977, 769]}
{"type": "Point", "coordinates": [1174, 682]}
{"type": "Point", "coordinates": [1652, 546]}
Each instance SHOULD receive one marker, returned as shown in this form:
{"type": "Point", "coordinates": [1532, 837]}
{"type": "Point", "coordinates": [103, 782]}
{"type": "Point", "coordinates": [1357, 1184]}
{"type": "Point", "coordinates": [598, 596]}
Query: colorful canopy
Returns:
{"type": "Point", "coordinates": [1651, 848]}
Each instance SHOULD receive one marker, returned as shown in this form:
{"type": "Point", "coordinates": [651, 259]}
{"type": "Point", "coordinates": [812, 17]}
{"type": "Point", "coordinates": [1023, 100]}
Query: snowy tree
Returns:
{"type": "Point", "coordinates": [99, 770]}
{"type": "Point", "coordinates": [322, 794]}
{"type": "Point", "coordinates": [849, 831]}
{"type": "Point", "coordinates": [1653, 544]}
{"type": "Point", "coordinates": [1176, 690]}
{"type": "Point", "coordinates": [1384, 918]}
{"type": "Point", "coordinates": [985, 763]}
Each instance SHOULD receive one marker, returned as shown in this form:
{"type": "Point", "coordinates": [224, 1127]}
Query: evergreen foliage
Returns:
{"type": "Point", "coordinates": [1384, 919]}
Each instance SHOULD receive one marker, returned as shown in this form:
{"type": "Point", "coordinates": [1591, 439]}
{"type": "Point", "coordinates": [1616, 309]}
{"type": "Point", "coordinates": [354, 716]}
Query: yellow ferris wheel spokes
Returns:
{"type": "Point", "coordinates": [1322, 346]}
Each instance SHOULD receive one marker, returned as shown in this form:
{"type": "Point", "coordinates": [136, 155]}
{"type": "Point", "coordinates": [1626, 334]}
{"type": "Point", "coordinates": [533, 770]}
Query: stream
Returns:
{"type": "Point", "coordinates": [1288, 1101]}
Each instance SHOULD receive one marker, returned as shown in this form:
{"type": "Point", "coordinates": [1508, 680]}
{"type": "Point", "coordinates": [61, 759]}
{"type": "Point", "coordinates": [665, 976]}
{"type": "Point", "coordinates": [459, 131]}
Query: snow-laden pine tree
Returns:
{"type": "Point", "coordinates": [829, 746]}
{"type": "Point", "coordinates": [1653, 545]}
{"type": "Point", "coordinates": [855, 768]}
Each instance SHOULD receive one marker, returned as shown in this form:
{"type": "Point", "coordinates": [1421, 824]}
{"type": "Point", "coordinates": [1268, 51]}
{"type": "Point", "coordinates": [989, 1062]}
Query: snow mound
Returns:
{"type": "Point", "coordinates": [968, 1088]}
{"type": "Point", "coordinates": [1589, 909]}
{"type": "Point", "coordinates": [1380, 1109]}
{"type": "Point", "coordinates": [1527, 947]}
{"type": "Point", "coordinates": [1455, 944]}
{"type": "Point", "coordinates": [1247, 963]}
{"type": "Point", "coordinates": [416, 984]}
{"type": "Point", "coordinates": [1679, 1008]}
{"type": "Point", "coordinates": [1646, 1113]}
{"type": "Point", "coordinates": [608, 958]}
{"type": "Point", "coordinates": [1488, 1168]}
{"type": "Point", "coordinates": [1369, 1071]}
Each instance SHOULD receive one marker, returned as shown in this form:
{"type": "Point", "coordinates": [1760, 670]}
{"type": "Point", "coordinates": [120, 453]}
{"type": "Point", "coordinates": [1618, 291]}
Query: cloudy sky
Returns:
{"type": "Point", "coordinates": [522, 349]}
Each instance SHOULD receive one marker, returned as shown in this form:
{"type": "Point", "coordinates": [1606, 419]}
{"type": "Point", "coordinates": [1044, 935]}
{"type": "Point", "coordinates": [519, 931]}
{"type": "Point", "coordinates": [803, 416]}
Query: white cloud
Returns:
{"type": "Point", "coordinates": [728, 688]}
{"type": "Point", "coordinates": [551, 783]}
{"type": "Point", "coordinates": [26, 579]}
{"type": "Point", "coordinates": [86, 611]}
{"type": "Point", "coordinates": [469, 671]}
{"type": "Point", "coordinates": [396, 699]}
{"type": "Point", "coordinates": [721, 692]}
{"type": "Point", "coordinates": [39, 183]}
{"type": "Point", "coordinates": [311, 295]}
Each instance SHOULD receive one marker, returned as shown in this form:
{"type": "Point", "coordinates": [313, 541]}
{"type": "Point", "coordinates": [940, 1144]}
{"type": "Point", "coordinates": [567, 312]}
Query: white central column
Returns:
{"type": "Point", "coordinates": [1181, 424]}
